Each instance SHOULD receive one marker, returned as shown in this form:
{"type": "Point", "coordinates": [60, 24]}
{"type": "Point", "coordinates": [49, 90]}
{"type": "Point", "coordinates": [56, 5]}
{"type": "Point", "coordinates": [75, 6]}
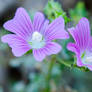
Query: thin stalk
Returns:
{"type": "Point", "coordinates": [48, 77]}
{"type": "Point", "coordinates": [63, 62]}
{"type": "Point", "coordinates": [68, 64]}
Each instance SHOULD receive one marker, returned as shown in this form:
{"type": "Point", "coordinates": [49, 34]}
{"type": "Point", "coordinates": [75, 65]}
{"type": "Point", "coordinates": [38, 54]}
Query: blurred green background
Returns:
{"type": "Point", "coordinates": [24, 74]}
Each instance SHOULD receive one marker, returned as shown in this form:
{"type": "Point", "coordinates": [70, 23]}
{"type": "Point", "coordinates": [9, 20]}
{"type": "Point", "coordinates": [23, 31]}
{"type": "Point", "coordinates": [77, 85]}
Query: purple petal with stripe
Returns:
{"type": "Point", "coordinates": [39, 54]}
{"type": "Point", "coordinates": [21, 24]}
{"type": "Point", "coordinates": [90, 45]}
{"type": "Point", "coordinates": [56, 30]}
{"type": "Point", "coordinates": [74, 48]}
{"type": "Point", "coordinates": [81, 33]}
{"type": "Point", "coordinates": [45, 26]}
{"type": "Point", "coordinates": [38, 21]}
{"type": "Point", "coordinates": [19, 46]}
{"type": "Point", "coordinates": [50, 48]}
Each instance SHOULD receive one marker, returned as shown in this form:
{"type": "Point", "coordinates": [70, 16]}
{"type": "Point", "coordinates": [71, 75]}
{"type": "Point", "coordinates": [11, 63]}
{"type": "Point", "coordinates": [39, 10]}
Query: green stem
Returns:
{"type": "Point", "coordinates": [63, 62]}
{"type": "Point", "coordinates": [68, 64]}
{"type": "Point", "coordinates": [48, 77]}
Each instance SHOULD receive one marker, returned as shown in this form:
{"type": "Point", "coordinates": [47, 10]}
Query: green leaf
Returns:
{"type": "Point", "coordinates": [78, 12]}
{"type": "Point", "coordinates": [53, 10]}
{"type": "Point", "coordinates": [29, 52]}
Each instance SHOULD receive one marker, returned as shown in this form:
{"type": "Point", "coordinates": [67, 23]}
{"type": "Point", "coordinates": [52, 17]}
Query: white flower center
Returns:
{"type": "Point", "coordinates": [37, 41]}
{"type": "Point", "coordinates": [87, 58]}
{"type": "Point", "coordinates": [37, 36]}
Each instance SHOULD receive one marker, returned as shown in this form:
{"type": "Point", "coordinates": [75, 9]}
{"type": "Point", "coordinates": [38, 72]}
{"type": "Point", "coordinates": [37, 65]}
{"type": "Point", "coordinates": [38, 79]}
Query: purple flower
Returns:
{"type": "Point", "coordinates": [83, 43]}
{"type": "Point", "coordinates": [37, 36]}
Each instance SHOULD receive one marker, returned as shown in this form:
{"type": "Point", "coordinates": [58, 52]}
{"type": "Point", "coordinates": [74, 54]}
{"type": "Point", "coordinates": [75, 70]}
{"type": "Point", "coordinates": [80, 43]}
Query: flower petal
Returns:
{"type": "Point", "coordinates": [21, 24]}
{"type": "Point", "coordinates": [38, 21]}
{"type": "Point", "coordinates": [90, 45]}
{"type": "Point", "coordinates": [45, 26]}
{"type": "Point", "coordinates": [50, 48]}
{"type": "Point", "coordinates": [79, 61]}
{"type": "Point", "coordinates": [39, 55]}
{"type": "Point", "coordinates": [74, 48]}
{"type": "Point", "coordinates": [81, 33]}
{"type": "Point", "coordinates": [19, 46]}
{"type": "Point", "coordinates": [56, 30]}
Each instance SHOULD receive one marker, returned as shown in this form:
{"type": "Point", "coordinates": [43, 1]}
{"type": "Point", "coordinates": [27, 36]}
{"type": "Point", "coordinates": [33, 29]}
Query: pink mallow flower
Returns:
{"type": "Point", "coordinates": [37, 36]}
{"type": "Point", "coordinates": [83, 43]}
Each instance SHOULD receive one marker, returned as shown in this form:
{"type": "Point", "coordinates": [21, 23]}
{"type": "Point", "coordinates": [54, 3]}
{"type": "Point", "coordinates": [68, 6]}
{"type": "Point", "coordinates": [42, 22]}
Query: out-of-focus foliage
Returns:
{"type": "Point", "coordinates": [18, 87]}
{"type": "Point", "coordinates": [37, 81]}
{"type": "Point", "coordinates": [53, 10]}
{"type": "Point", "coordinates": [25, 61]}
{"type": "Point", "coordinates": [3, 48]}
{"type": "Point", "coordinates": [78, 12]}
{"type": "Point", "coordinates": [2, 45]}
{"type": "Point", "coordinates": [1, 90]}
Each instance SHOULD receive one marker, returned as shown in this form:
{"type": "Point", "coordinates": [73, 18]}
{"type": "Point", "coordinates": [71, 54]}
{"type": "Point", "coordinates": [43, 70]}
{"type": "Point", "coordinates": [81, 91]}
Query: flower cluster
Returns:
{"type": "Point", "coordinates": [38, 35]}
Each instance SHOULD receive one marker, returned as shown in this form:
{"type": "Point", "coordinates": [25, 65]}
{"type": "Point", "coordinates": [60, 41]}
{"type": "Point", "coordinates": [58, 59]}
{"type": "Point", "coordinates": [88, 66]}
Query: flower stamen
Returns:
{"type": "Point", "coordinates": [37, 41]}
